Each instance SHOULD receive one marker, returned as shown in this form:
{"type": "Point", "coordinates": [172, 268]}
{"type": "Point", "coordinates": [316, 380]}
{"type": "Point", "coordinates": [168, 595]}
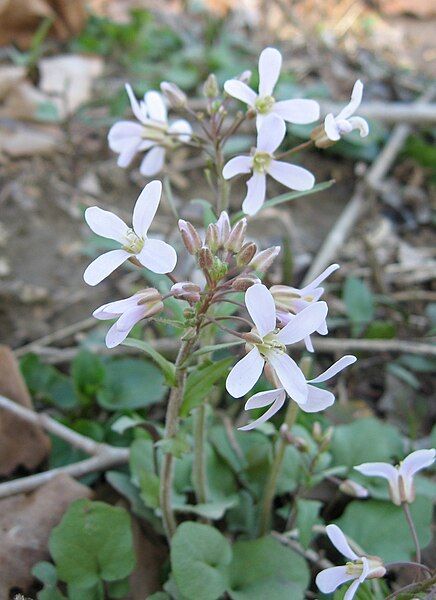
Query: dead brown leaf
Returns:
{"type": "Point", "coordinates": [25, 525]}
{"type": "Point", "coordinates": [22, 444]}
{"type": "Point", "coordinates": [18, 140]}
{"type": "Point", "coordinates": [10, 75]}
{"type": "Point", "coordinates": [150, 555]}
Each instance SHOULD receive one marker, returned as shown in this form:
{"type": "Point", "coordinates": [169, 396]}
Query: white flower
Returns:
{"type": "Point", "coordinates": [400, 478]}
{"type": "Point", "coordinates": [290, 301]}
{"type": "Point", "coordinates": [317, 398]}
{"type": "Point", "coordinates": [152, 133]}
{"type": "Point", "coordinates": [128, 312]}
{"type": "Point", "coordinates": [358, 568]}
{"type": "Point", "coordinates": [269, 137]}
{"type": "Point", "coordinates": [156, 255]}
{"type": "Point", "coordinates": [264, 103]}
{"type": "Point", "coordinates": [335, 127]}
{"type": "Point", "coordinates": [269, 345]}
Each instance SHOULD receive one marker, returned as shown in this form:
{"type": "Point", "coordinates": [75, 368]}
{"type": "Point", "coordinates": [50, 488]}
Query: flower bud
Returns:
{"type": "Point", "coordinates": [245, 254]}
{"type": "Point", "coordinates": [317, 432]}
{"type": "Point", "coordinates": [148, 295]}
{"type": "Point", "coordinates": [210, 87]}
{"type": "Point", "coordinates": [263, 260]}
{"type": "Point", "coordinates": [186, 290]}
{"type": "Point", "coordinates": [212, 237]}
{"type": "Point", "coordinates": [223, 225]}
{"type": "Point", "coordinates": [236, 237]}
{"type": "Point", "coordinates": [351, 488]}
{"type": "Point", "coordinates": [252, 337]}
{"type": "Point", "coordinates": [242, 283]}
{"type": "Point", "coordinates": [205, 258]}
{"type": "Point", "coordinates": [174, 94]}
{"type": "Point", "coordinates": [190, 236]}
{"type": "Point", "coordinates": [320, 139]}
{"type": "Point", "coordinates": [284, 297]}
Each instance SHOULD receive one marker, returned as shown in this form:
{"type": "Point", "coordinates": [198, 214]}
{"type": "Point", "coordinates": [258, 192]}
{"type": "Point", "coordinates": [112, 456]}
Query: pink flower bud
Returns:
{"type": "Point", "coordinates": [242, 283]}
{"type": "Point", "coordinates": [212, 237]}
{"type": "Point", "coordinates": [351, 488]}
{"type": "Point", "coordinates": [186, 290]}
{"type": "Point", "coordinates": [190, 236]}
{"type": "Point", "coordinates": [245, 254]}
{"type": "Point", "coordinates": [174, 94]}
{"type": "Point", "coordinates": [237, 236]}
{"type": "Point", "coordinates": [263, 260]}
{"type": "Point", "coordinates": [205, 258]}
{"type": "Point", "coordinates": [223, 225]}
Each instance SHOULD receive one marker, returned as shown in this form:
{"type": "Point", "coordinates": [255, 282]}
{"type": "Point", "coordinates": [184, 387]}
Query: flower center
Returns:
{"type": "Point", "coordinates": [354, 568]}
{"type": "Point", "coordinates": [134, 244]}
{"type": "Point", "coordinates": [264, 105]}
{"type": "Point", "coordinates": [270, 342]}
{"type": "Point", "coordinates": [156, 132]}
{"type": "Point", "coordinates": [261, 161]}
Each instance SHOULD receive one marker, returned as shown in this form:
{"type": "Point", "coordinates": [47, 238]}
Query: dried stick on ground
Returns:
{"type": "Point", "coordinates": [356, 205]}
{"type": "Point", "coordinates": [104, 455]}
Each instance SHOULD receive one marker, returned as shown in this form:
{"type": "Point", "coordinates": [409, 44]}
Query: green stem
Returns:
{"type": "Point", "coordinates": [199, 466]}
{"type": "Point", "coordinates": [171, 429]}
{"type": "Point", "coordinates": [412, 528]}
{"type": "Point", "coordinates": [271, 485]}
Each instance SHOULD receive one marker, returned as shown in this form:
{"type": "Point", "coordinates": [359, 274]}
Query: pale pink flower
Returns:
{"type": "Point", "coordinates": [344, 122]}
{"type": "Point", "coordinates": [262, 162]}
{"type": "Point", "coordinates": [152, 132]}
{"type": "Point", "coordinates": [128, 312]}
{"type": "Point", "coordinates": [400, 478]}
{"type": "Point", "coordinates": [290, 301]}
{"type": "Point", "coordinates": [294, 111]}
{"type": "Point", "coordinates": [268, 345]}
{"type": "Point", "coordinates": [358, 568]}
{"type": "Point", "coordinates": [156, 255]}
{"type": "Point", "coordinates": [317, 399]}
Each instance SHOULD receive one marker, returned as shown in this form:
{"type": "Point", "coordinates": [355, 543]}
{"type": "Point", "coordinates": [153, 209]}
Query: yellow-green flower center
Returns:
{"type": "Point", "coordinates": [270, 342]}
{"type": "Point", "coordinates": [261, 161]}
{"type": "Point", "coordinates": [354, 568]}
{"type": "Point", "coordinates": [134, 244]}
{"type": "Point", "coordinates": [264, 105]}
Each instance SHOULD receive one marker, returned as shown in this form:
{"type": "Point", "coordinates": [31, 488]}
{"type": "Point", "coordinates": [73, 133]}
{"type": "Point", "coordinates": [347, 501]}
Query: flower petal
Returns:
{"type": "Point", "coordinates": [145, 207]}
{"type": "Point", "coordinates": [340, 542]}
{"type": "Point", "coordinates": [157, 111]}
{"type": "Point", "coordinates": [353, 105]}
{"type": "Point", "coordinates": [329, 579]}
{"type": "Point", "coordinates": [291, 176]}
{"type": "Point", "coordinates": [289, 374]}
{"type": "Point", "coordinates": [331, 129]}
{"type": "Point", "coordinates": [127, 154]}
{"type": "Point", "coordinates": [103, 266]}
{"type": "Point", "coordinates": [349, 594]}
{"type": "Point", "coordinates": [158, 256]}
{"type": "Point", "coordinates": [261, 307]}
{"type": "Point", "coordinates": [237, 165]}
{"type": "Point", "coordinates": [315, 283]}
{"type": "Point", "coordinates": [336, 367]}
{"type": "Point", "coordinates": [360, 124]}
{"type": "Point", "coordinates": [317, 399]}
{"type": "Point", "coordinates": [137, 109]}
{"type": "Point", "coordinates": [270, 63]}
{"type": "Point", "coordinates": [182, 128]}
{"type": "Point", "coordinates": [297, 111]}
{"type": "Point", "coordinates": [129, 318]}
{"type": "Point", "coordinates": [123, 134]}
{"type": "Point", "coordinates": [379, 469]}
{"type": "Point", "coordinates": [115, 336]}
{"type": "Point", "coordinates": [420, 459]}
{"type": "Point", "coordinates": [153, 161]}
{"type": "Point", "coordinates": [271, 133]}
{"type": "Point", "coordinates": [111, 310]}
{"type": "Point", "coordinates": [262, 399]}
{"type": "Point", "coordinates": [275, 407]}
{"type": "Point", "coordinates": [256, 189]}
{"type": "Point", "coordinates": [239, 90]}
{"type": "Point", "coordinates": [304, 323]}
{"type": "Point", "coordinates": [245, 374]}
{"type": "Point", "coordinates": [105, 223]}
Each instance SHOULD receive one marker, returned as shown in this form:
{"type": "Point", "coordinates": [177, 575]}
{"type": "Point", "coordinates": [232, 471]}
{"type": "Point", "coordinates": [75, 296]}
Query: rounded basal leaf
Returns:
{"type": "Point", "coordinates": [264, 569]}
{"type": "Point", "coordinates": [92, 542]}
{"type": "Point", "coordinates": [200, 556]}
{"type": "Point", "coordinates": [365, 440]}
{"type": "Point", "coordinates": [131, 383]}
{"type": "Point", "coordinates": [380, 528]}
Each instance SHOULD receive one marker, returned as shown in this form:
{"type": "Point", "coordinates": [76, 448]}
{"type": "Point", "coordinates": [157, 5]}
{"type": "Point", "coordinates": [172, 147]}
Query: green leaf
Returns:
{"type": "Point", "coordinates": [200, 556]}
{"type": "Point", "coordinates": [216, 347]}
{"type": "Point", "coordinates": [143, 472]}
{"type": "Point", "coordinates": [45, 382]}
{"type": "Point", "coordinates": [200, 383]}
{"type": "Point", "coordinates": [167, 367]}
{"type": "Point", "coordinates": [264, 568]}
{"type": "Point", "coordinates": [359, 302]}
{"type": "Point", "coordinates": [380, 528]}
{"type": "Point", "coordinates": [380, 330]}
{"type": "Point", "coordinates": [319, 187]}
{"type": "Point", "coordinates": [88, 374]}
{"type": "Point", "coordinates": [118, 589]}
{"type": "Point", "coordinates": [45, 572]}
{"type": "Point", "coordinates": [209, 510]}
{"type": "Point", "coordinates": [159, 596]}
{"type": "Point", "coordinates": [209, 215]}
{"type": "Point", "coordinates": [307, 516]}
{"type": "Point", "coordinates": [404, 375]}
{"type": "Point", "coordinates": [365, 440]}
{"type": "Point", "coordinates": [131, 383]}
{"type": "Point", "coordinates": [93, 542]}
